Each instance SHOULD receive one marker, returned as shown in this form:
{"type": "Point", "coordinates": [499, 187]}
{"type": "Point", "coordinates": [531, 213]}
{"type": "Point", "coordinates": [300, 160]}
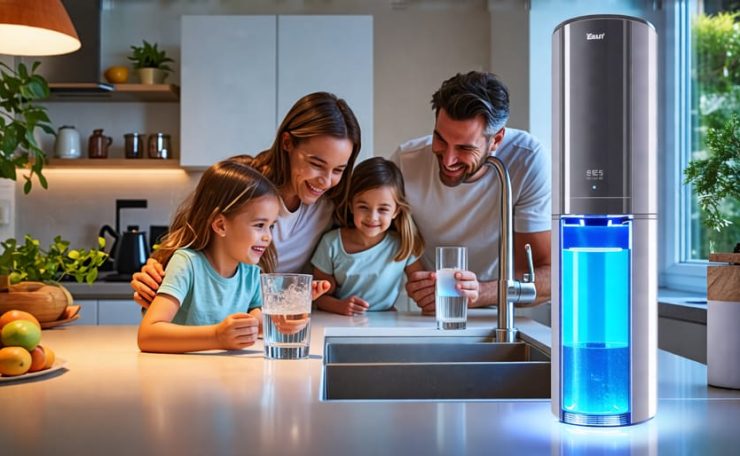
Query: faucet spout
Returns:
{"type": "Point", "coordinates": [509, 290]}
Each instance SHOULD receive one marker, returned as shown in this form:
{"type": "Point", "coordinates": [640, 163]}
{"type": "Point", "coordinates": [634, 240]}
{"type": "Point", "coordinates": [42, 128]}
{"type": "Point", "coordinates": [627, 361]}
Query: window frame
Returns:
{"type": "Point", "coordinates": [677, 271]}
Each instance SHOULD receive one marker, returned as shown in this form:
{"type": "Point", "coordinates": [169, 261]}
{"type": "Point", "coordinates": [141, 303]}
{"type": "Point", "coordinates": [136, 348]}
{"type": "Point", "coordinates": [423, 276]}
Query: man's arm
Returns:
{"type": "Point", "coordinates": [540, 243]}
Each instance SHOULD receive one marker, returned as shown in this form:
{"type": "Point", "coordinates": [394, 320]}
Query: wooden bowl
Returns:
{"type": "Point", "coordinates": [43, 301]}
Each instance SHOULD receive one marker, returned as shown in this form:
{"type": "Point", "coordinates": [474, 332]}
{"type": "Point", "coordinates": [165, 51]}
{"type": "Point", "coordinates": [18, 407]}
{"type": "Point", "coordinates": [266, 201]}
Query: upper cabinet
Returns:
{"type": "Point", "coordinates": [241, 74]}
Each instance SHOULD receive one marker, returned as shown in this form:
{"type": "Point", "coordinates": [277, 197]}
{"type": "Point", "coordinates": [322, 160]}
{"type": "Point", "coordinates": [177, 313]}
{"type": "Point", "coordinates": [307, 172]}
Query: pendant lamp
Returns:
{"type": "Point", "coordinates": [36, 27]}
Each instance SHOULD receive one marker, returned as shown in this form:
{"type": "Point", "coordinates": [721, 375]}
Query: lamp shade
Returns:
{"type": "Point", "coordinates": [36, 27]}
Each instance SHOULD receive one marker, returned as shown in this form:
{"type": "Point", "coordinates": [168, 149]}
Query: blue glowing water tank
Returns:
{"type": "Point", "coordinates": [604, 200]}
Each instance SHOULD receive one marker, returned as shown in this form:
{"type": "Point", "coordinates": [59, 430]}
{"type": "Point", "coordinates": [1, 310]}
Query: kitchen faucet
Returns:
{"type": "Point", "coordinates": [509, 290]}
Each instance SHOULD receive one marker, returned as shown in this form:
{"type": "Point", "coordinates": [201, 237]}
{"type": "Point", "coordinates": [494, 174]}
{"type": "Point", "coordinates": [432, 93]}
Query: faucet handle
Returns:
{"type": "Point", "coordinates": [529, 277]}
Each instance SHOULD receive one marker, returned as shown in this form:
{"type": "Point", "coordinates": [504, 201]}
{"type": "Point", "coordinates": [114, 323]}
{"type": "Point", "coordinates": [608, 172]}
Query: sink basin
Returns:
{"type": "Point", "coordinates": [431, 368]}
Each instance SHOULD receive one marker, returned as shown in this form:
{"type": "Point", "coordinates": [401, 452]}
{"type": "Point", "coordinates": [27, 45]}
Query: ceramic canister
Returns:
{"type": "Point", "coordinates": [67, 144]}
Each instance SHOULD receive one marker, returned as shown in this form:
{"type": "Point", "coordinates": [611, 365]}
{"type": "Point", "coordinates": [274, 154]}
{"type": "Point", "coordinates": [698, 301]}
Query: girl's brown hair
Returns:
{"type": "Point", "coordinates": [316, 114]}
{"type": "Point", "coordinates": [224, 189]}
{"type": "Point", "coordinates": [378, 172]}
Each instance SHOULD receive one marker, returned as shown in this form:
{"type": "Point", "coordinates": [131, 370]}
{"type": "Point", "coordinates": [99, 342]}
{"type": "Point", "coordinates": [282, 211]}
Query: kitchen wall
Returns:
{"type": "Point", "coordinates": [417, 44]}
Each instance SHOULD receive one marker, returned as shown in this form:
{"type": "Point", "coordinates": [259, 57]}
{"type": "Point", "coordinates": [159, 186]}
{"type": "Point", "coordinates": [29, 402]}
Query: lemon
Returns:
{"type": "Point", "coordinates": [14, 361]}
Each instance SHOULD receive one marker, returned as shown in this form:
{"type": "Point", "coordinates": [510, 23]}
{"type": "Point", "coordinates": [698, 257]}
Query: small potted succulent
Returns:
{"type": "Point", "coordinates": [151, 63]}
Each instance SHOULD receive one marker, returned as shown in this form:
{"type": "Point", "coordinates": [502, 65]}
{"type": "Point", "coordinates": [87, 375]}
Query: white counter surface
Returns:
{"type": "Point", "coordinates": [115, 400]}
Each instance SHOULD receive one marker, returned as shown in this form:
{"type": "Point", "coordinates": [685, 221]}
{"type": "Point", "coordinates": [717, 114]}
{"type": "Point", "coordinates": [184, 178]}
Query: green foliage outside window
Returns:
{"type": "Point", "coordinates": [716, 98]}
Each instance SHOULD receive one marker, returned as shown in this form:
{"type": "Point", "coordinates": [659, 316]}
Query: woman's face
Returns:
{"type": "Point", "coordinates": [316, 165]}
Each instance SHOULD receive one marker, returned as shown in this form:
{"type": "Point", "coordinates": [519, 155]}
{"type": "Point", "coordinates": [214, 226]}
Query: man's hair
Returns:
{"type": "Point", "coordinates": [466, 96]}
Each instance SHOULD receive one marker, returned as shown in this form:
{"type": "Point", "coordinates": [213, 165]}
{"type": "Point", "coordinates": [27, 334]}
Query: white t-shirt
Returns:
{"type": "Point", "coordinates": [468, 214]}
{"type": "Point", "coordinates": [296, 234]}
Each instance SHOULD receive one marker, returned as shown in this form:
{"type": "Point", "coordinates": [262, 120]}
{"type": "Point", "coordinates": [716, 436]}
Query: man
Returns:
{"type": "Point", "coordinates": [455, 199]}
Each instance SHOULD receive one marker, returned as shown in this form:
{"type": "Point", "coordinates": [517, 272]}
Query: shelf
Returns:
{"type": "Point", "coordinates": [94, 92]}
{"type": "Point", "coordinates": [110, 163]}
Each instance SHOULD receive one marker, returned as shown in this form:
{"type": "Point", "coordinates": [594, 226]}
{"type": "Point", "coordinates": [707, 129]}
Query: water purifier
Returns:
{"type": "Point", "coordinates": [604, 201]}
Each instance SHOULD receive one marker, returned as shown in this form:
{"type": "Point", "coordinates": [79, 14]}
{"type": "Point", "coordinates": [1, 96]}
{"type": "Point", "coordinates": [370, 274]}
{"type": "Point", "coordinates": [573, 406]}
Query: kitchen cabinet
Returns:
{"type": "Point", "coordinates": [241, 74]}
{"type": "Point", "coordinates": [118, 312]}
{"type": "Point", "coordinates": [108, 312]}
{"type": "Point", "coordinates": [88, 312]}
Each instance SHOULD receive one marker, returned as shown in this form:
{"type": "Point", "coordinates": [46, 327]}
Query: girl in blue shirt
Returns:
{"type": "Point", "coordinates": [364, 261]}
{"type": "Point", "coordinates": [210, 297]}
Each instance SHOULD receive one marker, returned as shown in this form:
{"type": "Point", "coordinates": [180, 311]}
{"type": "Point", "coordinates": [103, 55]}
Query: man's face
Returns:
{"type": "Point", "coordinates": [461, 147]}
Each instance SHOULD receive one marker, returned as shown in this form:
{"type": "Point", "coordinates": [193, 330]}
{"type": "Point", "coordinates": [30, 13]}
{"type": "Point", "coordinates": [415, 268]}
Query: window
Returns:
{"type": "Point", "coordinates": [691, 76]}
{"type": "Point", "coordinates": [715, 96]}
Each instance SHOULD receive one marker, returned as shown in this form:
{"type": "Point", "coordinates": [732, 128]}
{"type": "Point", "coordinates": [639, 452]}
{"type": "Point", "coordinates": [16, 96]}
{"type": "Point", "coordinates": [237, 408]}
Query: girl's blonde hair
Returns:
{"type": "Point", "coordinates": [316, 114]}
{"type": "Point", "coordinates": [224, 189]}
{"type": "Point", "coordinates": [378, 172]}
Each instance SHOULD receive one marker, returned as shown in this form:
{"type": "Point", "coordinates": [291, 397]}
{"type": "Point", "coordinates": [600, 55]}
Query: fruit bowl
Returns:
{"type": "Point", "coordinates": [71, 313]}
{"type": "Point", "coordinates": [45, 302]}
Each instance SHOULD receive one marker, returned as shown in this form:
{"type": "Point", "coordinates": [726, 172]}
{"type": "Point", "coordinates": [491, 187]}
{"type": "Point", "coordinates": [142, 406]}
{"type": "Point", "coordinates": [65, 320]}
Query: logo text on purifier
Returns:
{"type": "Point", "coordinates": [595, 36]}
{"type": "Point", "coordinates": [594, 174]}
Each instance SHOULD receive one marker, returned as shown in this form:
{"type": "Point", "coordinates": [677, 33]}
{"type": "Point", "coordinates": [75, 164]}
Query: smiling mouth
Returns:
{"type": "Point", "coordinates": [259, 249]}
{"type": "Point", "coordinates": [314, 190]}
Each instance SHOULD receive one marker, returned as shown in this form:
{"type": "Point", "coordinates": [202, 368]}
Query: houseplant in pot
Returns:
{"type": "Point", "coordinates": [716, 178]}
{"type": "Point", "coordinates": [30, 275]}
{"type": "Point", "coordinates": [20, 118]}
{"type": "Point", "coordinates": [150, 62]}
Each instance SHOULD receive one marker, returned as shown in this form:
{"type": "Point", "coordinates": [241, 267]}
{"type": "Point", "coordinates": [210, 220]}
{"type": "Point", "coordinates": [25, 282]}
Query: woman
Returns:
{"type": "Point", "coordinates": [310, 163]}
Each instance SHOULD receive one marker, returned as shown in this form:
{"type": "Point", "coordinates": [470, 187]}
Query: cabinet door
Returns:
{"type": "Point", "coordinates": [228, 87]}
{"type": "Point", "coordinates": [332, 54]}
{"type": "Point", "coordinates": [118, 312]}
{"type": "Point", "coordinates": [88, 312]}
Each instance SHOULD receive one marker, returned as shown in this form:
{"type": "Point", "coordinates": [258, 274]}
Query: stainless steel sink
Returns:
{"type": "Point", "coordinates": [433, 368]}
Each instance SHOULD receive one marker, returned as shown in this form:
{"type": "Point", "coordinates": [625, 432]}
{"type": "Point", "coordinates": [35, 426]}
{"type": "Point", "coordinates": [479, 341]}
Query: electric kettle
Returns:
{"type": "Point", "coordinates": [131, 250]}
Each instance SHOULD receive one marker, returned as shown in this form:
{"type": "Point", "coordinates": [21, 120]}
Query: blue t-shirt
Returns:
{"type": "Point", "coordinates": [371, 274]}
{"type": "Point", "coordinates": [206, 297]}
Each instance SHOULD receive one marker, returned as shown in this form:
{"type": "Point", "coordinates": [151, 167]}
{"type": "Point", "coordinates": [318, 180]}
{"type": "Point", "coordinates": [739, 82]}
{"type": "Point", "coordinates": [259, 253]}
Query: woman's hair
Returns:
{"type": "Point", "coordinates": [316, 114]}
{"type": "Point", "coordinates": [224, 189]}
{"type": "Point", "coordinates": [375, 173]}
{"type": "Point", "coordinates": [467, 96]}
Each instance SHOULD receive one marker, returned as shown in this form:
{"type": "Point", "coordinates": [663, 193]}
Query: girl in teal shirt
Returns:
{"type": "Point", "coordinates": [364, 261]}
{"type": "Point", "coordinates": [210, 297]}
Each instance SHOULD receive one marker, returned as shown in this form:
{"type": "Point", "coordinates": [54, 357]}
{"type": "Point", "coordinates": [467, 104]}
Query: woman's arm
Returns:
{"type": "Point", "coordinates": [158, 334]}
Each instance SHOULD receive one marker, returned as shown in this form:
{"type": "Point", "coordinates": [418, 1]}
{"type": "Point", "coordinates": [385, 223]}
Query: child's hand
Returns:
{"type": "Point", "coordinates": [288, 324]}
{"type": "Point", "coordinates": [237, 331]}
{"type": "Point", "coordinates": [319, 287]}
{"type": "Point", "coordinates": [354, 305]}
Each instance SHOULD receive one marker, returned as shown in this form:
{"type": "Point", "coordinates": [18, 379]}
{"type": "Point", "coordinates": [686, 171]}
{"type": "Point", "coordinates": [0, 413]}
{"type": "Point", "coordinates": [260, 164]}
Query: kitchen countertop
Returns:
{"type": "Point", "coordinates": [115, 400]}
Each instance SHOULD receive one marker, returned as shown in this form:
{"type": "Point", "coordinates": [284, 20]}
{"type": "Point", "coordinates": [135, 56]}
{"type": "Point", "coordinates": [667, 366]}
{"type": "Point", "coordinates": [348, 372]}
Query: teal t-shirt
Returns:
{"type": "Point", "coordinates": [206, 297]}
{"type": "Point", "coordinates": [371, 274]}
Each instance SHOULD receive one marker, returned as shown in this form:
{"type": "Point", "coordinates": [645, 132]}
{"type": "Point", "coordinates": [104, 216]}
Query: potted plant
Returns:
{"type": "Point", "coordinates": [151, 63]}
{"type": "Point", "coordinates": [717, 180]}
{"type": "Point", "coordinates": [20, 118]}
{"type": "Point", "coordinates": [30, 275]}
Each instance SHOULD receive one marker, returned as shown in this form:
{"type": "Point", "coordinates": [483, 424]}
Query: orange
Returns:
{"type": "Point", "coordinates": [116, 74]}
{"type": "Point", "coordinates": [13, 315]}
{"type": "Point", "coordinates": [14, 361]}
{"type": "Point", "coordinates": [21, 333]}
{"type": "Point", "coordinates": [50, 357]}
{"type": "Point", "coordinates": [38, 359]}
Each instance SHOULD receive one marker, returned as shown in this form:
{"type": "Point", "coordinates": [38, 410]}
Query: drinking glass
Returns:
{"type": "Point", "coordinates": [286, 312]}
{"type": "Point", "coordinates": [451, 306]}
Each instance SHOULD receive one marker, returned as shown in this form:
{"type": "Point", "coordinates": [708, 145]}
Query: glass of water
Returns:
{"type": "Point", "coordinates": [286, 312]}
{"type": "Point", "coordinates": [451, 306]}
